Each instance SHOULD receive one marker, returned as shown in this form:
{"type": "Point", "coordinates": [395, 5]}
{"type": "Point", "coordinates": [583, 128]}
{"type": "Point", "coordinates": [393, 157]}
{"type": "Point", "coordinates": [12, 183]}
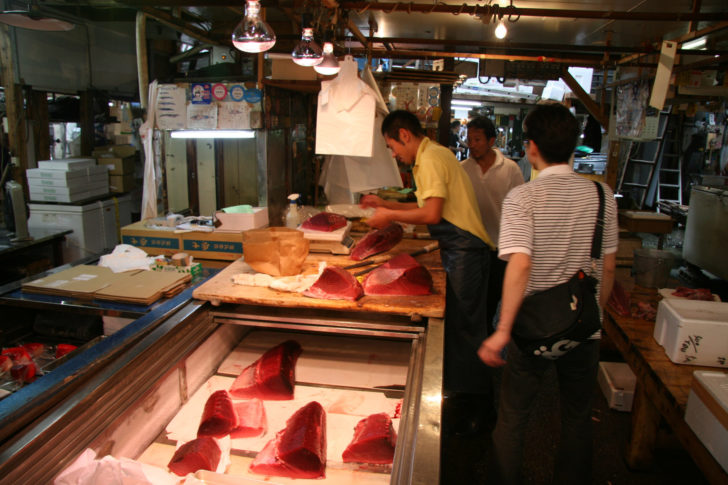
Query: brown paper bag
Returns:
{"type": "Point", "coordinates": [277, 251]}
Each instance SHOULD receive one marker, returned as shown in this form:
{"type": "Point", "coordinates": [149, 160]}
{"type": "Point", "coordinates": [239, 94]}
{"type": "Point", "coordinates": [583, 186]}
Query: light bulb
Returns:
{"type": "Point", "coordinates": [501, 30]}
{"type": "Point", "coordinates": [329, 65]}
{"type": "Point", "coordinates": [307, 52]}
{"type": "Point", "coordinates": [252, 34]}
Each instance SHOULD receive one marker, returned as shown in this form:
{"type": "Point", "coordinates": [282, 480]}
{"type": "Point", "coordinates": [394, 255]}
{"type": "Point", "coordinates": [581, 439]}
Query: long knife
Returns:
{"type": "Point", "coordinates": [426, 249]}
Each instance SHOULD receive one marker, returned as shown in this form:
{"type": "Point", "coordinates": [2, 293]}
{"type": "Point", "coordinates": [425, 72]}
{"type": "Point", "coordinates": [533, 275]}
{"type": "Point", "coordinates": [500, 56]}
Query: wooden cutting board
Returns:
{"type": "Point", "coordinates": [220, 288]}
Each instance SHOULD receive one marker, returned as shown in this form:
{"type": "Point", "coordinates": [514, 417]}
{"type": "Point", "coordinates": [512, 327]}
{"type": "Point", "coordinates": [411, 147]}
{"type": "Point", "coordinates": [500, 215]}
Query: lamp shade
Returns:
{"type": "Point", "coordinates": [307, 52]}
{"type": "Point", "coordinates": [329, 65]}
{"type": "Point", "coordinates": [252, 34]}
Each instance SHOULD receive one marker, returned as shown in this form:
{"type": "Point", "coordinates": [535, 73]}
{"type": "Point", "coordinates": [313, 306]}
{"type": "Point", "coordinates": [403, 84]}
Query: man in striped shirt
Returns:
{"type": "Point", "coordinates": [546, 234]}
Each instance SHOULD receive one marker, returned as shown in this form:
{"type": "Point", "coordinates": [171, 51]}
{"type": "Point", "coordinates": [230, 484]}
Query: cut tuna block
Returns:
{"type": "Point", "coordinates": [298, 450]}
{"type": "Point", "coordinates": [5, 363]}
{"type": "Point", "coordinates": [63, 349]}
{"type": "Point", "coordinates": [199, 454]}
{"type": "Point", "coordinates": [23, 373]}
{"type": "Point", "coordinates": [18, 354]}
{"type": "Point", "coordinates": [402, 275]}
{"type": "Point", "coordinates": [373, 442]}
{"type": "Point", "coordinates": [377, 241]}
{"type": "Point", "coordinates": [251, 419]}
{"type": "Point", "coordinates": [219, 417]}
{"type": "Point", "coordinates": [335, 284]}
{"type": "Point", "coordinates": [324, 221]}
{"type": "Point", "coordinates": [34, 349]}
{"type": "Point", "coordinates": [272, 376]}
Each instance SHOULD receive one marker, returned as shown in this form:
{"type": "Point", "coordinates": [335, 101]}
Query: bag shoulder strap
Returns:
{"type": "Point", "coordinates": [596, 250]}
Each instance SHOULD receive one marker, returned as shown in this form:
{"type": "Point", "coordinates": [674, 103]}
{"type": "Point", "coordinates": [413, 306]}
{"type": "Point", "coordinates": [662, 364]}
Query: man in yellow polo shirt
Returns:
{"type": "Point", "coordinates": [446, 203]}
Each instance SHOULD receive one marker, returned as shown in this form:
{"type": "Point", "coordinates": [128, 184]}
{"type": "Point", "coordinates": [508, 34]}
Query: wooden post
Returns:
{"type": "Point", "coordinates": [17, 139]}
{"type": "Point", "coordinates": [86, 114]}
{"type": "Point", "coordinates": [645, 421]}
{"type": "Point", "coordinates": [610, 173]}
{"type": "Point", "coordinates": [38, 110]}
{"type": "Point", "coordinates": [142, 63]}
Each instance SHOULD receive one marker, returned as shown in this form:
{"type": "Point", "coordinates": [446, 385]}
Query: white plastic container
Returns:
{"type": "Point", "coordinates": [693, 332]}
{"type": "Point", "coordinates": [617, 382]}
{"type": "Point", "coordinates": [95, 225]}
{"type": "Point", "coordinates": [293, 215]}
{"type": "Point", "coordinates": [707, 412]}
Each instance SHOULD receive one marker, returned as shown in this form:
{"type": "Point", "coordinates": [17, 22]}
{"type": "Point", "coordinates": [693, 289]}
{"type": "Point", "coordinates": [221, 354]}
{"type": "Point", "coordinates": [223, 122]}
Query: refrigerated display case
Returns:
{"type": "Point", "coordinates": [150, 398]}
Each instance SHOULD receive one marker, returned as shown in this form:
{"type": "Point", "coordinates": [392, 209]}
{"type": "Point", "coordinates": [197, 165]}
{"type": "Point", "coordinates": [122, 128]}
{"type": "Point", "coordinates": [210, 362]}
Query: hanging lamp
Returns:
{"type": "Point", "coordinates": [307, 52]}
{"type": "Point", "coordinates": [330, 64]}
{"type": "Point", "coordinates": [252, 34]}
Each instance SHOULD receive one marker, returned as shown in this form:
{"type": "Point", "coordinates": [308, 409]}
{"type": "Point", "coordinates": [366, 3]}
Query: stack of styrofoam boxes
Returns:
{"type": "Point", "coordinates": [693, 332]}
{"type": "Point", "coordinates": [617, 382]}
{"type": "Point", "coordinates": [122, 131]}
{"type": "Point", "coordinates": [120, 161]}
{"type": "Point", "coordinates": [707, 412]}
{"type": "Point", "coordinates": [69, 180]}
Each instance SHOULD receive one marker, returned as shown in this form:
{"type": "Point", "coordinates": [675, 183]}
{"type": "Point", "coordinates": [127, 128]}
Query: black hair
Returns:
{"type": "Point", "coordinates": [554, 130]}
{"type": "Point", "coordinates": [455, 124]}
{"type": "Point", "coordinates": [483, 123]}
{"type": "Point", "coordinates": [401, 119]}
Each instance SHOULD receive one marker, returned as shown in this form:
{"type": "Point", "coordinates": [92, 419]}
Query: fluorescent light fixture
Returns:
{"type": "Point", "coordinates": [694, 44]}
{"type": "Point", "coordinates": [465, 102]}
{"type": "Point", "coordinates": [212, 134]}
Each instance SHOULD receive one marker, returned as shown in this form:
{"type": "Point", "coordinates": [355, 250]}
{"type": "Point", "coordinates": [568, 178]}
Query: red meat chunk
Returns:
{"type": "Point", "coordinates": [63, 349]}
{"type": "Point", "coordinates": [324, 221]}
{"type": "Point", "coordinates": [5, 363]}
{"type": "Point", "coordinates": [374, 441]}
{"type": "Point", "coordinates": [298, 450]}
{"type": "Point", "coordinates": [270, 377]}
{"type": "Point", "coordinates": [218, 417]}
{"type": "Point", "coordinates": [23, 373]}
{"type": "Point", "coordinates": [402, 276]}
{"type": "Point", "coordinates": [377, 241]}
{"type": "Point", "coordinates": [199, 454]}
{"type": "Point", "coordinates": [18, 354]}
{"type": "Point", "coordinates": [335, 284]}
{"type": "Point", "coordinates": [251, 419]}
{"type": "Point", "coordinates": [34, 349]}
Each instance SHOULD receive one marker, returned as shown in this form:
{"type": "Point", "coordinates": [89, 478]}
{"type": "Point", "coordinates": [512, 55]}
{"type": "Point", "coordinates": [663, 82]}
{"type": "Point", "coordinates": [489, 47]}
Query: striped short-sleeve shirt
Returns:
{"type": "Point", "coordinates": [552, 219]}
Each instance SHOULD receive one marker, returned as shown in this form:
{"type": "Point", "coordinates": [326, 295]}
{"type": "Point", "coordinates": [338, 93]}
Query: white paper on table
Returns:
{"type": "Point", "coordinates": [87, 470]}
{"type": "Point", "coordinates": [201, 116]}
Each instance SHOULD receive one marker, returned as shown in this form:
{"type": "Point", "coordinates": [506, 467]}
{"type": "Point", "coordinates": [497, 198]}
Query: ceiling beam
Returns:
{"type": "Point", "coordinates": [165, 18]}
{"type": "Point", "coordinates": [591, 106]}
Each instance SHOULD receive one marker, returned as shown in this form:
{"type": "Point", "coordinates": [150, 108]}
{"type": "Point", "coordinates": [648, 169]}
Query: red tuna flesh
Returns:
{"type": "Point", "coordinates": [298, 450]}
{"type": "Point", "coordinates": [373, 442]}
{"type": "Point", "coordinates": [199, 454]}
{"type": "Point", "coordinates": [5, 363]}
{"type": "Point", "coordinates": [377, 241]}
{"type": "Point", "coordinates": [23, 372]}
{"type": "Point", "coordinates": [18, 354]}
{"type": "Point", "coordinates": [34, 349]}
{"type": "Point", "coordinates": [218, 418]}
{"type": "Point", "coordinates": [63, 349]}
{"type": "Point", "coordinates": [324, 221]}
{"type": "Point", "coordinates": [335, 284]}
{"type": "Point", "coordinates": [251, 419]}
{"type": "Point", "coordinates": [270, 377]}
{"type": "Point", "coordinates": [402, 275]}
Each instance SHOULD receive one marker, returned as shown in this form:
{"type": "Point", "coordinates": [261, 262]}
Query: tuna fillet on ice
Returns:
{"type": "Point", "coordinates": [377, 241]}
{"type": "Point", "coordinates": [199, 454]}
{"type": "Point", "coordinates": [402, 275]}
{"type": "Point", "coordinates": [219, 417]}
{"type": "Point", "coordinates": [374, 441]}
{"type": "Point", "coordinates": [335, 284]}
{"type": "Point", "coordinates": [272, 376]}
{"type": "Point", "coordinates": [299, 449]}
{"type": "Point", "coordinates": [324, 221]}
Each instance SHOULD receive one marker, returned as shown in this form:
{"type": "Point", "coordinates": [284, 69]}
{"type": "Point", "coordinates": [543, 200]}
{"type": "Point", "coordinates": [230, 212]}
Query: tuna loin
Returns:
{"type": "Point", "coordinates": [373, 442]}
{"type": "Point", "coordinates": [270, 377]}
{"type": "Point", "coordinates": [335, 284]}
{"type": "Point", "coordinates": [402, 275]}
{"type": "Point", "coordinates": [251, 419]}
{"type": "Point", "coordinates": [199, 454]}
{"type": "Point", "coordinates": [324, 221]}
{"type": "Point", "coordinates": [218, 418]}
{"type": "Point", "coordinates": [299, 449]}
{"type": "Point", "coordinates": [377, 241]}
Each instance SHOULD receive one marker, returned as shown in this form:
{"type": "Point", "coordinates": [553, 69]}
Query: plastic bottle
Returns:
{"type": "Point", "coordinates": [293, 217]}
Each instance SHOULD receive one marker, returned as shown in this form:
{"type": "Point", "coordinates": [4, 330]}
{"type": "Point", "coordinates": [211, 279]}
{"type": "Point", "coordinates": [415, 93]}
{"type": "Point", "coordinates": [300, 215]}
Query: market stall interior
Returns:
{"type": "Point", "coordinates": [192, 132]}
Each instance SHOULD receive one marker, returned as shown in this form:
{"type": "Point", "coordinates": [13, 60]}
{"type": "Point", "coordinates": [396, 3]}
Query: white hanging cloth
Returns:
{"type": "Point", "coordinates": [151, 183]}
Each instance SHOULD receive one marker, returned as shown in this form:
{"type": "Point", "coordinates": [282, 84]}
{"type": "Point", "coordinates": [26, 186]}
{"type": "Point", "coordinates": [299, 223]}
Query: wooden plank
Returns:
{"type": "Point", "coordinates": [206, 181]}
{"type": "Point", "coordinates": [175, 166]}
{"type": "Point", "coordinates": [220, 289]}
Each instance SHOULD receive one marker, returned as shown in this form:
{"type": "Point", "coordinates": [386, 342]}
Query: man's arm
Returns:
{"type": "Point", "coordinates": [609, 265]}
{"type": "Point", "coordinates": [371, 200]}
{"type": "Point", "coordinates": [515, 281]}
{"type": "Point", "coordinates": [429, 213]}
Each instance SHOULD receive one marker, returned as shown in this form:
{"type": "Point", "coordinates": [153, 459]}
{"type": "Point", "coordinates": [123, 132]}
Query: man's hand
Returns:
{"type": "Point", "coordinates": [380, 218]}
{"type": "Point", "coordinates": [491, 349]}
{"type": "Point", "coordinates": [371, 200]}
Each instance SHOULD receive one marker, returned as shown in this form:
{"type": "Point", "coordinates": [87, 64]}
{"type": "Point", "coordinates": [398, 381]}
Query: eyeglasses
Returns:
{"type": "Point", "coordinates": [525, 142]}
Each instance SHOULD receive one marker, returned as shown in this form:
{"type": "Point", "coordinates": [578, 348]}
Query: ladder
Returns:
{"type": "Point", "coordinates": [669, 184]}
{"type": "Point", "coordinates": [641, 164]}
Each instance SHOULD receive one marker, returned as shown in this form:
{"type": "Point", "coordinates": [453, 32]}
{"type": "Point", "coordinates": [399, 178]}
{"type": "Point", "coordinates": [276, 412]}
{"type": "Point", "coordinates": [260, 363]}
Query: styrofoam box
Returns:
{"type": "Point", "coordinates": [62, 178]}
{"type": "Point", "coordinates": [617, 383]}
{"type": "Point", "coordinates": [44, 195]}
{"type": "Point", "coordinates": [242, 222]}
{"type": "Point", "coordinates": [693, 332]}
{"type": "Point", "coordinates": [67, 163]}
{"type": "Point", "coordinates": [668, 293]}
{"type": "Point", "coordinates": [95, 225]}
{"type": "Point", "coordinates": [707, 412]}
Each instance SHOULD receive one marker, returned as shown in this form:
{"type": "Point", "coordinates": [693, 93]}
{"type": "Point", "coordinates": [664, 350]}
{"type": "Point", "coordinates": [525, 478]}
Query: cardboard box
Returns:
{"type": "Point", "coordinates": [625, 251]}
{"type": "Point", "coordinates": [707, 413]}
{"type": "Point", "coordinates": [287, 69]}
{"type": "Point", "coordinates": [153, 241]}
{"type": "Point", "coordinates": [226, 246]}
{"type": "Point", "coordinates": [118, 166]}
{"type": "Point", "coordinates": [693, 332]}
{"type": "Point", "coordinates": [617, 383]}
{"type": "Point", "coordinates": [242, 222]}
{"type": "Point", "coordinates": [122, 183]}
{"type": "Point", "coordinates": [119, 159]}
{"type": "Point", "coordinates": [63, 178]}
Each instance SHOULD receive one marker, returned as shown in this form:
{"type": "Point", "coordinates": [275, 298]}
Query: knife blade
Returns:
{"type": "Point", "coordinates": [426, 249]}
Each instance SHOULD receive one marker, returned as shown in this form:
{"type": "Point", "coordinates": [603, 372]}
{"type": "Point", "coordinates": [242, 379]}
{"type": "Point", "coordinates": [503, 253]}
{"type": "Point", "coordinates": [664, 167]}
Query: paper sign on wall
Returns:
{"type": "Point", "coordinates": [171, 107]}
{"type": "Point", "coordinates": [201, 116]}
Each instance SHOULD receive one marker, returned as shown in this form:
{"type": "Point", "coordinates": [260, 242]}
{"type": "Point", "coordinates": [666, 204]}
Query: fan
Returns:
{"type": "Point", "coordinates": [33, 19]}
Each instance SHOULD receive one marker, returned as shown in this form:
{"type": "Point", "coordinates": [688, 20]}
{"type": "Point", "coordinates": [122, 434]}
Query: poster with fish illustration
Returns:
{"type": "Point", "coordinates": [200, 93]}
{"type": "Point", "coordinates": [170, 109]}
{"type": "Point", "coordinates": [234, 116]}
{"type": "Point", "coordinates": [201, 116]}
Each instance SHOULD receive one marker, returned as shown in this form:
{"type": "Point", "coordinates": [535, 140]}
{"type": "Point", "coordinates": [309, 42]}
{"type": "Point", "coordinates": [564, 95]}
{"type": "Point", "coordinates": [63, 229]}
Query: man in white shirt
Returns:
{"type": "Point", "coordinates": [492, 175]}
